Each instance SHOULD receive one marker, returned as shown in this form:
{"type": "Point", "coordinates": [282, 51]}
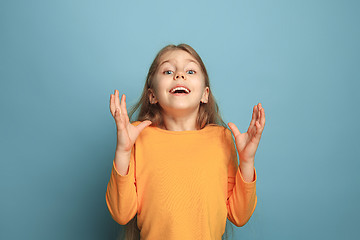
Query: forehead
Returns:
{"type": "Point", "coordinates": [176, 56]}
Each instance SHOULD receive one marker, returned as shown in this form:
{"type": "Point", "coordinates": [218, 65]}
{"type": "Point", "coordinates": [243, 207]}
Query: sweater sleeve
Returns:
{"type": "Point", "coordinates": [121, 196]}
{"type": "Point", "coordinates": [242, 199]}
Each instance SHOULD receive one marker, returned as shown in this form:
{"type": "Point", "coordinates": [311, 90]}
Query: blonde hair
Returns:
{"type": "Point", "coordinates": [208, 113]}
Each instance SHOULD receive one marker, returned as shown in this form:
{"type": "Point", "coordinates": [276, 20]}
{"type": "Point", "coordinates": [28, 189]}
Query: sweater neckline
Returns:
{"type": "Point", "coordinates": [204, 129]}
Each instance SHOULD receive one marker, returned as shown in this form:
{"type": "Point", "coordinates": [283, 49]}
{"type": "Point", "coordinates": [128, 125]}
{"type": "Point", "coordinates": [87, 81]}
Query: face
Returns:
{"type": "Point", "coordinates": [179, 83]}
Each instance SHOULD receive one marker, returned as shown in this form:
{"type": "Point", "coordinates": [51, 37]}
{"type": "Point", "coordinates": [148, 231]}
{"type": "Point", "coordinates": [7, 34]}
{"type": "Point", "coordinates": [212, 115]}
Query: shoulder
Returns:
{"type": "Point", "coordinates": [224, 139]}
{"type": "Point", "coordinates": [219, 130]}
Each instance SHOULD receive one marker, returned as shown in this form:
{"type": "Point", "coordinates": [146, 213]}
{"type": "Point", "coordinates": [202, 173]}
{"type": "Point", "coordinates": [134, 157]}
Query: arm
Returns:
{"type": "Point", "coordinates": [121, 197]}
{"type": "Point", "coordinates": [242, 188]}
{"type": "Point", "coordinates": [242, 199]}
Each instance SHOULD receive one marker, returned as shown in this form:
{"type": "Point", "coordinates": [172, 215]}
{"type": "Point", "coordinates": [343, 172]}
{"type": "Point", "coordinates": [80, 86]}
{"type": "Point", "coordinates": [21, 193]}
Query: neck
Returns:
{"type": "Point", "coordinates": [180, 122]}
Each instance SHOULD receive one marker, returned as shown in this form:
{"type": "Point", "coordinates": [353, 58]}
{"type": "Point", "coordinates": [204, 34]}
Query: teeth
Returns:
{"type": "Point", "coordinates": [180, 88]}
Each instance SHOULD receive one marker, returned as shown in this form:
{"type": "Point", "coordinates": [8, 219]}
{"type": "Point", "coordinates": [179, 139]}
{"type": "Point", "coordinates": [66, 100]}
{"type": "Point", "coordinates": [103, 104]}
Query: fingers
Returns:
{"type": "Point", "coordinates": [143, 125]}
{"type": "Point", "coordinates": [262, 116]}
{"type": "Point", "coordinates": [117, 110]}
{"type": "Point", "coordinates": [257, 122]}
{"type": "Point", "coordinates": [123, 107]}
{"type": "Point", "coordinates": [253, 119]}
{"type": "Point", "coordinates": [112, 104]}
{"type": "Point", "coordinates": [117, 100]}
{"type": "Point", "coordinates": [234, 129]}
{"type": "Point", "coordinates": [260, 123]}
{"type": "Point", "coordinates": [116, 103]}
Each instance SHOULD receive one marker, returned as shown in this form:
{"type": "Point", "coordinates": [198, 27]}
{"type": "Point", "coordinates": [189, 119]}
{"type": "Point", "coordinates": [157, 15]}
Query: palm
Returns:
{"type": "Point", "coordinates": [247, 143]}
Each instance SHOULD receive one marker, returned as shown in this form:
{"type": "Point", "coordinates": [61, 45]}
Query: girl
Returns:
{"type": "Point", "coordinates": [180, 178]}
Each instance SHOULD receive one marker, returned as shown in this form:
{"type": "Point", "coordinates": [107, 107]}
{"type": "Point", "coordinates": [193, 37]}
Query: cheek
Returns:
{"type": "Point", "coordinates": [156, 85]}
{"type": "Point", "coordinates": [201, 84]}
{"type": "Point", "coordinates": [201, 80]}
{"type": "Point", "coordinates": [160, 89]}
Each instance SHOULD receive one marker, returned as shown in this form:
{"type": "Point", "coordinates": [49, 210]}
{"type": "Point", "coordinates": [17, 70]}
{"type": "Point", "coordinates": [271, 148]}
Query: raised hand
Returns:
{"type": "Point", "coordinates": [247, 143]}
{"type": "Point", "coordinates": [126, 132]}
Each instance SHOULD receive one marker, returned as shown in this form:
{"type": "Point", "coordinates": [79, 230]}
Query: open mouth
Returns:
{"type": "Point", "coordinates": [180, 91]}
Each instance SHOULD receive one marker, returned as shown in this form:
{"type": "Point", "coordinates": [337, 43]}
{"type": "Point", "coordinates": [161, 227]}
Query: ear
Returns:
{"type": "Point", "coordinates": [205, 96]}
{"type": "Point", "coordinates": [152, 97]}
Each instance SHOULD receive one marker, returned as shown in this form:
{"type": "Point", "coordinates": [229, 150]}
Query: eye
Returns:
{"type": "Point", "coordinates": [167, 72]}
{"type": "Point", "coordinates": [191, 72]}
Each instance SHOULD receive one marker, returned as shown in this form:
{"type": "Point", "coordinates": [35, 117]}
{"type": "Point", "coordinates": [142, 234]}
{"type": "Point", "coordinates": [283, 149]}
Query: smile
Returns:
{"type": "Point", "coordinates": [179, 94]}
{"type": "Point", "coordinates": [180, 90]}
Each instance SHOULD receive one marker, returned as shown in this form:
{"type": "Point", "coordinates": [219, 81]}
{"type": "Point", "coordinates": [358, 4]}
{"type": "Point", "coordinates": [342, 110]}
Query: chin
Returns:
{"type": "Point", "coordinates": [184, 107]}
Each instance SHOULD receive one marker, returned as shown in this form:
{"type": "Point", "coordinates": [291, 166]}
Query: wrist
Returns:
{"type": "Point", "coordinates": [247, 162]}
{"type": "Point", "coordinates": [247, 171]}
{"type": "Point", "coordinates": [122, 152]}
{"type": "Point", "coordinates": [246, 166]}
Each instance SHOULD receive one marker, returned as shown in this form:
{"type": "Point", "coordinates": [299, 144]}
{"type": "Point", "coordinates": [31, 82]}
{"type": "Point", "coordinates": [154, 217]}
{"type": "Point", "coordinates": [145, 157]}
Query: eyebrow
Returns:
{"type": "Point", "coordinates": [190, 60]}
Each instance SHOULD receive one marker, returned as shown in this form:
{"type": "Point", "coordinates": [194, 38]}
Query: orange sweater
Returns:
{"type": "Point", "coordinates": [182, 185]}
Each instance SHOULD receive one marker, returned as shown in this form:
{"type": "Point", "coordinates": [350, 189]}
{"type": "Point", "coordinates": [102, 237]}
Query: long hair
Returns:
{"type": "Point", "coordinates": [208, 113]}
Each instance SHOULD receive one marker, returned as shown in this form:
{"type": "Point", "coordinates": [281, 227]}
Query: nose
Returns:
{"type": "Point", "coordinates": [179, 76]}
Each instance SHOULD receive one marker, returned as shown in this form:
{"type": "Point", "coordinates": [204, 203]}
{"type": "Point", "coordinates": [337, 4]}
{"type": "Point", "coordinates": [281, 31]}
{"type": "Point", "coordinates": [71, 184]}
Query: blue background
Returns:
{"type": "Point", "coordinates": [61, 60]}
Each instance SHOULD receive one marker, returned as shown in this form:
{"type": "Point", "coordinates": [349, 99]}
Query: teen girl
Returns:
{"type": "Point", "coordinates": [176, 174]}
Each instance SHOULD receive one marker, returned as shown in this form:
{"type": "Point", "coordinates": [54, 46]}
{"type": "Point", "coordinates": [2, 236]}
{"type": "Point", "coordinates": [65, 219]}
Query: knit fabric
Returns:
{"type": "Point", "coordinates": [182, 185]}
